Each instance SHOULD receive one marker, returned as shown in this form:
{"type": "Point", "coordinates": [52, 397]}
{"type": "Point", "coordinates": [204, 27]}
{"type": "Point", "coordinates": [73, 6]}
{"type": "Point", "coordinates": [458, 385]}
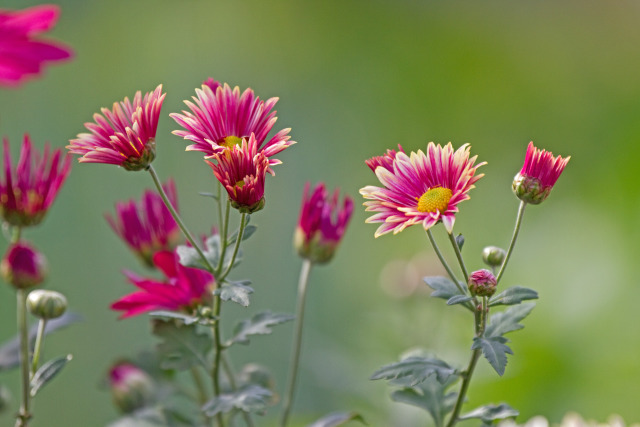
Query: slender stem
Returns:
{"type": "Point", "coordinates": [516, 230]}
{"type": "Point", "coordinates": [297, 340]}
{"type": "Point", "coordinates": [224, 225]}
{"type": "Point", "coordinates": [459, 256]}
{"type": "Point", "coordinates": [243, 223]}
{"type": "Point", "coordinates": [228, 370]}
{"type": "Point", "coordinates": [197, 380]}
{"type": "Point", "coordinates": [37, 350]}
{"type": "Point", "coordinates": [444, 262]}
{"type": "Point", "coordinates": [24, 415]}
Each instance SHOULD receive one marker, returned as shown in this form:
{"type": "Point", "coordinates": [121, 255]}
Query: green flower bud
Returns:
{"type": "Point", "coordinates": [493, 256]}
{"type": "Point", "coordinates": [46, 304]}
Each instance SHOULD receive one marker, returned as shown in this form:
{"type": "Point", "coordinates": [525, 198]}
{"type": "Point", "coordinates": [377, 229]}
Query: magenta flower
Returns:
{"type": "Point", "coordinates": [131, 387]}
{"type": "Point", "coordinates": [124, 136]}
{"type": "Point", "coordinates": [22, 54]}
{"type": "Point", "coordinates": [386, 160]}
{"type": "Point", "coordinates": [242, 169]}
{"type": "Point", "coordinates": [29, 190]}
{"type": "Point", "coordinates": [538, 175]}
{"type": "Point", "coordinates": [220, 117]}
{"type": "Point", "coordinates": [23, 266]}
{"type": "Point", "coordinates": [184, 289]}
{"type": "Point", "coordinates": [422, 188]}
{"type": "Point", "coordinates": [147, 226]}
{"type": "Point", "coordinates": [482, 283]}
{"type": "Point", "coordinates": [322, 223]}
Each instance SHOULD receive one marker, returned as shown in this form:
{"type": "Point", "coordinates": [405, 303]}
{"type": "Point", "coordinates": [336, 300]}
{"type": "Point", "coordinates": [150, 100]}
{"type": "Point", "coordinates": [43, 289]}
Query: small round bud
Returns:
{"type": "Point", "coordinates": [493, 256]}
{"type": "Point", "coordinates": [46, 304]}
{"type": "Point", "coordinates": [529, 189]}
{"type": "Point", "coordinates": [23, 266]}
{"type": "Point", "coordinates": [482, 283]}
{"type": "Point", "coordinates": [131, 387]}
{"type": "Point", "coordinates": [316, 249]}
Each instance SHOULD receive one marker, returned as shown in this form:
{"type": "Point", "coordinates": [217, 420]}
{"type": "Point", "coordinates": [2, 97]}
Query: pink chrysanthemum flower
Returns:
{"type": "Point", "coordinates": [22, 54]}
{"type": "Point", "coordinates": [322, 223]}
{"type": "Point", "coordinates": [147, 226]}
{"type": "Point", "coordinates": [220, 117]}
{"type": "Point", "coordinates": [386, 160]}
{"type": "Point", "coordinates": [184, 289]}
{"type": "Point", "coordinates": [482, 283]}
{"type": "Point", "coordinates": [422, 188]}
{"type": "Point", "coordinates": [125, 135]}
{"type": "Point", "coordinates": [131, 387]}
{"type": "Point", "coordinates": [29, 190]}
{"type": "Point", "coordinates": [23, 266]}
{"type": "Point", "coordinates": [538, 175]}
{"type": "Point", "coordinates": [242, 169]}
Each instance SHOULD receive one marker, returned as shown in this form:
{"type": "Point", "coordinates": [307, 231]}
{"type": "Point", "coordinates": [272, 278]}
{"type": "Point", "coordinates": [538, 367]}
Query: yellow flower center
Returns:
{"type": "Point", "coordinates": [230, 141]}
{"type": "Point", "coordinates": [240, 183]}
{"type": "Point", "coordinates": [435, 199]}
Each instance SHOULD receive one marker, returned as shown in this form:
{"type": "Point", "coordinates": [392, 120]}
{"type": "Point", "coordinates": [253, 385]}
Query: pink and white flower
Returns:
{"type": "Point", "coordinates": [538, 175]}
{"type": "Point", "coordinates": [386, 160]}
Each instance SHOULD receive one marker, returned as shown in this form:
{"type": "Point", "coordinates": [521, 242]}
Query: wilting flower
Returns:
{"type": "Point", "coordinates": [29, 190]}
{"type": "Point", "coordinates": [322, 223]}
{"type": "Point", "coordinates": [23, 267]}
{"type": "Point", "coordinates": [147, 226]}
{"type": "Point", "coordinates": [221, 117]}
{"type": "Point", "coordinates": [183, 290]}
{"type": "Point", "coordinates": [386, 160]}
{"type": "Point", "coordinates": [22, 54]}
{"type": "Point", "coordinates": [482, 283]}
{"type": "Point", "coordinates": [242, 169]}
{"type": "Point", "coordinates": [421, 188]}
{"type": "Point", "coordinates": [538, 175]}
{"type": "Point", "coordinates": [125, 135]}
{"type": "Point", "coordinates": [131, 387]}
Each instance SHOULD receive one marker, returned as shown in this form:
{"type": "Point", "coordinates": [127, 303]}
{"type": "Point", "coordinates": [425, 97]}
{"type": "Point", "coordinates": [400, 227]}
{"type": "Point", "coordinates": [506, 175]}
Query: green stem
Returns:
{"type": "Point", "coordinates": [224, 225]}
{"type": "Point", "coordinates": [516, 230]}
{"type": "Point", "coordinates": [197, 380]}
{"type": "Point", "coordinates": [37, 350]}
{"type": "Point", "coordinates": [243, 224]}
{"type": "Point", "coordinates": [459, 256]}
{"type": "Point", "coordinates": [297, 340]}
{"type": "Point", "coordinates": [24, 415]}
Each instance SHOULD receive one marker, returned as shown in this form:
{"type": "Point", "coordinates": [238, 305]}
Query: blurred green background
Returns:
{"type": "Point", "coordinates": [354, 78]}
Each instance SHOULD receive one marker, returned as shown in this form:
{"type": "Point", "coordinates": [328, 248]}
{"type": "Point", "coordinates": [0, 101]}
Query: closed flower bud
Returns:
{"type": "Point", "coordinates": [493, 256]}
{"type": "Point", "coordinates": [482, 283]}
{"type": "Point", "coordinates": [131, 387]}
{"type": "Point", "coordinates": [538, 175]}
{"type": "Point", "coordinates": [23, 267]}
{"type": "Point", "coordinates": [46, 304]}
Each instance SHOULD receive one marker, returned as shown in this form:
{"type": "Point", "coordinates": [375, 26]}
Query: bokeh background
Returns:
{"type": "Point", "coordinates": [355, 78]}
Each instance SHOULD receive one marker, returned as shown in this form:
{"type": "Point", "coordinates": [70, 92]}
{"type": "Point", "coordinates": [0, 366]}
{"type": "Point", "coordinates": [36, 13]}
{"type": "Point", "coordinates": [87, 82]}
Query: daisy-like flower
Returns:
{"type": "Point", "coordinates": [422, 188]}
{"type": "Point", "coordinates": [322, 223]}
{"type": "Point", "coordinates": [386, 160]}
{"type": "Point", "coordinates": [28, 191]}
{"type": "Point", "coordinates": [221, 117]}
{"type": "Point", "coordinates": [183, 290]}
{"type": "Point", "coordinates": [242, 169]}
{"type": "Point", "coordinates": [538, 175]}
{"type": "Point", "coordinates": [22, 53]}
{"type": "Point", "coordinates": [123, 136]}
{"type": "Point", "coordinates": [147, 226]}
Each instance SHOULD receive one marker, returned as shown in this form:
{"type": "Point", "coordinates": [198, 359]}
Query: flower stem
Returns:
{"type": "Point", "coordinates": [224, 225]}
{"type": "Point", "coordinates": [459, 256]}
{"type": "Point", "coordinates": [516, 230]}
{"type": "Point", "coordinates": [38, 346]}
{"type": "Point", "coordinates": [243, 224]}
{"type": "Point", "coordinates": [297, 340]}
{"type": "Point", "coordinates": [24, 415]}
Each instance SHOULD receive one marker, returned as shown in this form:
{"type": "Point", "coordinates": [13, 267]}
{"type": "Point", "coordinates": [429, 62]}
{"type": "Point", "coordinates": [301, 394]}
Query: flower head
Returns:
{"type": "Point", "coordinates": [184, 288]}
{"type": "Point", "coordinates": [322, 223]}
{"type": "Point", "coordinates": [131, 387]}
{"type": "Point", "coordinates": [386, 160]}
{"type": "Point", "coordinates": [23, 267]}
{"type": "Point", "coordinates": [221, 117]}
{"type": "Point", "coordinates": [422, 188]}
{"type": "Point", "coordinates": [147, 226]}
{"type": "Point", "coordinates": [482, 283]}
{"type": "Point", "coordinates": [29, 190]}
{"type": "Point", "coordinates": [538, 175]}
{"type": "Point", "coordinates": [22, 54]}
{"type": "Point", "coordinates": [123, 136]}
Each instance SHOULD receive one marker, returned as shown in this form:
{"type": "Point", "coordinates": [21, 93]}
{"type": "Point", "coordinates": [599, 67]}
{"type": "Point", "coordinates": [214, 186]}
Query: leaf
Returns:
{"type": "Point", "coordinates": [337, 419]}
{"type": "Point", "coordinates": [260, 324]}
{"type": "Point", "coordinates": [47, 372]}
{"type": "Point", "coordinates": [251, 398]}
{"type": "Point", "coordinates": [460, 241]}
{"type": "Point", "coordinates": [507, 321]}
{"type": "Point", "coordinates": [145, 417]}
{"type": "Point", "coordinates": [189, 257]}
{"type": "Point", "coordinates": [494, 350]}
{"type": "Point", "coordinates": [235, 291]}
{"type": "Point", "coordinates": [429, 396]}
{"type": "Point", "coordinates": [205, 194]}
{"type": "Point", "coordinates": [513, 295]}
{"type": "Point", "coordinates": [414, 370]}
{"type": "Point", "coordinates": [458, 299]}
{"type": "Point", "coordinates": [182, 346]}
{"type": "Point", "coordinates": [172, 315]}
{"type": "Point", "coordinates": [491, 413]}
{"type": "Point", "coordinates": [249, 230]}
{"type": "Point", "coordinates": [442, 287]}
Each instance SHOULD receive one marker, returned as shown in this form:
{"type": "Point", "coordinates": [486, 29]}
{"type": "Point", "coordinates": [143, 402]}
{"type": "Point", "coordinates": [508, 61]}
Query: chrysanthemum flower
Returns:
{"type": "Point", "coordinates": [221, 117]}
{"type": "Point", "coordinates": [184, 289]}
{"type": "Point", "coordinates": [242, 169]}
{"type": "Point", "coordinates": [422, 188]}
{"type": "Point", "coordinates": [147, 226]}
{"type": "Point", "coordinates": [538, 175]}
{"type": "Point", "coordinates": [22, 54]}
{"type": "Point", "coordinates": [322, 223]}
{"type": "Point", "coordinates": [29, 190]}
{"type": "Point", "coordinates": [386, 160]}
{"type": "Point", "coordinates": [131, 387]}
{"type": "Point", "coordinates": [482, 283]}
{"type": "Point", "coordinates": [23, 266]}
{"type": "Point", "coordinates": [125, 135]}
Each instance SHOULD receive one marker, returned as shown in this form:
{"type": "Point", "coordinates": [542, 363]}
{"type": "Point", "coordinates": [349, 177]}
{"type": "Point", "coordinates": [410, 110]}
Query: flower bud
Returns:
{"type": "Point", "coordinates": [482, 283]}
{"type": "Point", "coordinates": [23, 267]}
{"type": "Point", "coordinates": [529, 189]}
{"type": "Point", "coordinates": [538, 175]}
{"type": "Point", "coordinates": [131, 387]}
{"type": "Point", "coordinates": [46, 304]}
{"type": "Point", "coordinates": [493, 256]}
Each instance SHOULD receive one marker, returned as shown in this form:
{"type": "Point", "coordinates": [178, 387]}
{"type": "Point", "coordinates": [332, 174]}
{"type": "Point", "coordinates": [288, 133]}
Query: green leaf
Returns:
{"type": "Point", "coordinates": [460, 241]}
{"type": "Point", "coordinates": [507, 321]}
{"type": "Point", "coordinates": [172, 315]}
{"type": "Point", "coordinates": [494, 350]}
{"type": "Point", "coordinates": [430, 396]}
{"type": "Point", "coordinates": [235, 291]}
{"type": "Point", "coordinates": [442, 287]}
{"type": "Point", "coordinates": [414, 370]}
{"type": "Point", "coordinates": [337, 419]}
{"type": "Point", "coordinates": [205, 194]}
{"type": "Point", "coordinates": [249, 230]}
{"type": "Point", "coordinates": [491, 413]}
{"type": "Point", "coordinates": [47, 372]}
{"type": "Point", "coordinates": [182, 346]}
{"type": "Point", "coordinates": [189, 257]}
{"type": "Point", "coordinates": [512, 296]}
{"type": "Point", "coordinates": [260, 324]}
{"type": "Point", "coordinates": [458, 299]}
{"type": "Point", "coordinates": [145, 417]}
{"type": "Point", "coordinates": [251, 398]}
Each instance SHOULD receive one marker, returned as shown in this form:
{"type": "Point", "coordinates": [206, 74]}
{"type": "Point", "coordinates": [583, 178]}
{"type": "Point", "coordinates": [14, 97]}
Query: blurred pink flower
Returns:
{"type": "Point", "coordinates": [386, 160]}
{"type": "Point", "coordinates": [23, 266]}
{"type": "Point", "coordinates": [538, 175]}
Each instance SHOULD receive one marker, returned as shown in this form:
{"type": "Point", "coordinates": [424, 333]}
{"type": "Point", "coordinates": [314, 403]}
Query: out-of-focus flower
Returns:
{"type": "Point", "coordinates": [147, 226]}
{"type": "Point", "coordinates": [538, 175]}
{"type": "Point", "coordinates": [482, 283]}
{"type": "Point", "coordinates": [242, 169]}
{"type": "Point", "coordinates": [493, 256]}
{"type": "Point", "coordinates": [123, 136]}
{"type": "Point", "coordinates": [131, 387]}
{"type": "Point", "coordinates": [422, 188]}
{"type": "Point", "coordinates": [23, 266]}
{"type": "Point", "coordinates": [571, 419]}
{"type": "Point", "coordinates": [386, 160]}
{"type": "Point", "coordinates": [46, 304]}
{"type": "Point", "coordinates": [183, 290]}
{"type": "Point", "coordinates": [221, 117]}
{"type": "Point", "coordinates": [321, 224]}
{"type": "Point", "coordinates": [22, 53]}
{"type": "Point", "coordinates": [28, 191]}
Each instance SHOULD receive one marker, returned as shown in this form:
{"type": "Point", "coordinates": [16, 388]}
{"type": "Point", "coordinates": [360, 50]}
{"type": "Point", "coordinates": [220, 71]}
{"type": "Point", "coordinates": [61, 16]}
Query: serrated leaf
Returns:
{"type": "Point", "coordinates": [251, 398]}
{"type": "Point", "coordinates": [430, 396]}
{"type": "Point", "coordinates": [182, 346]}
{"type": "Point", "coordinates": [337, 419]}
{"type": "Point", "coordinates": [442, 287]}
{"type": "Point", "coordinates": [491, 413]}
{"type": "Point", "coordinates": [169, 315]}
{"type": "Point", "coordinates": [249, 230]}
{"type": "Point", "coordinates": [414, 370]}
{"type": "Point", "coordinates": [189, 257]}
{"type": "Point", "coordinates": [513, 295]}
{"type": "Point", "coordinates": [494, 350]}
{"type": "Point", "coordinates": [458, 299]}
{"type": "Point", "coordinates": [47, 372]}
{"type": "Point", "coordinates": [260, 324]}
{"type": "Point", "coordinates": [235, 291]}
{"type": "Point", "coordinates": [507, 321]}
